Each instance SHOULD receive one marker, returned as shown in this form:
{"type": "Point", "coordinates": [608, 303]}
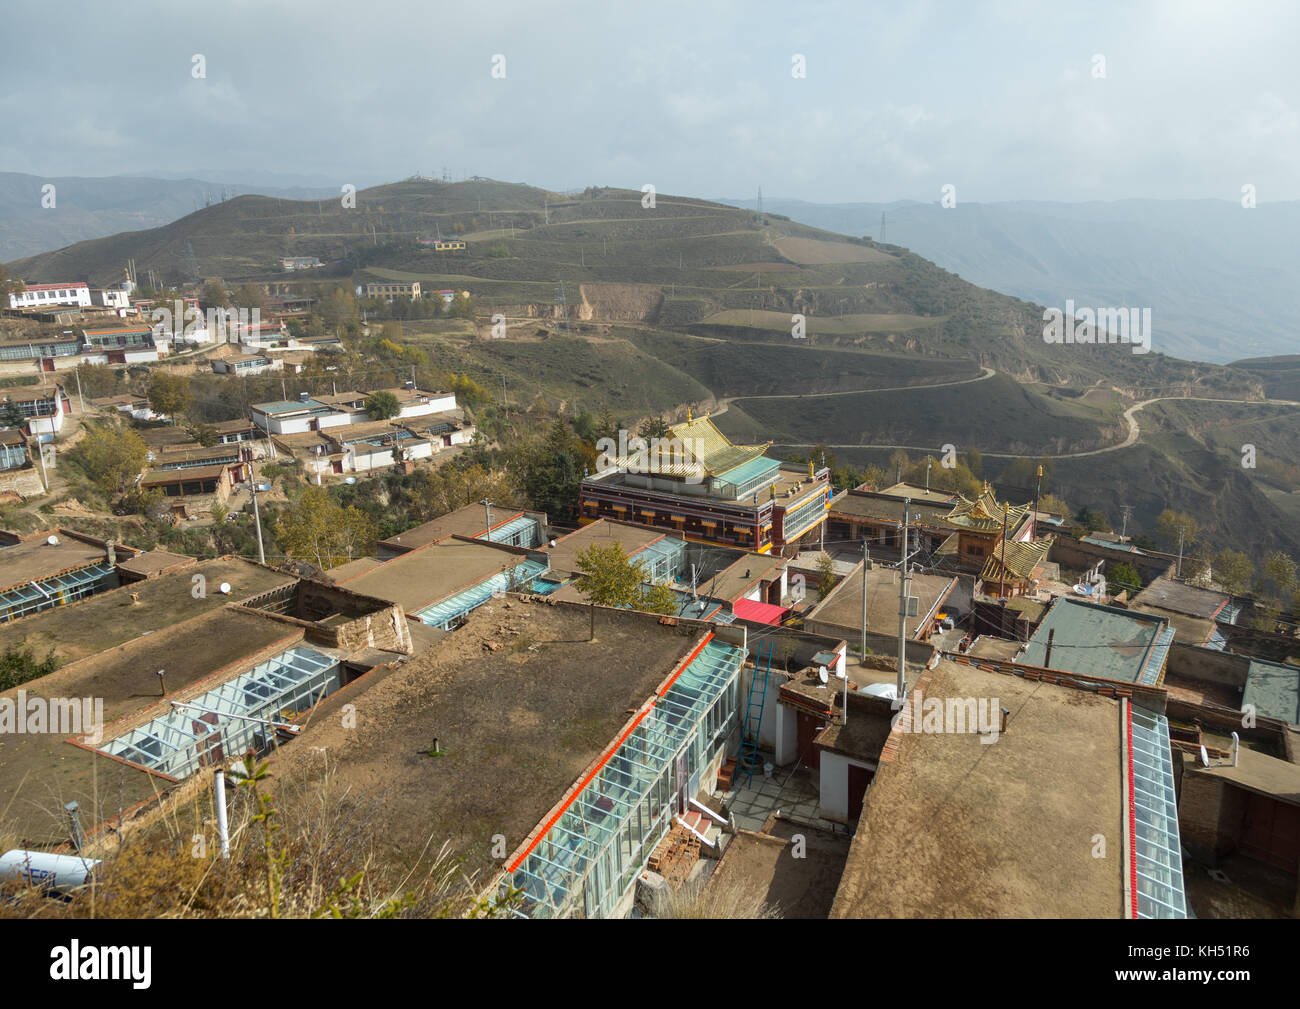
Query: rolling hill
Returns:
{"type": "Point", "coordinates": [86, 208]}
{"type": "Point", "coordinates": [611, 302]}
{"type": "Point", "coordinates": [1219, 279]}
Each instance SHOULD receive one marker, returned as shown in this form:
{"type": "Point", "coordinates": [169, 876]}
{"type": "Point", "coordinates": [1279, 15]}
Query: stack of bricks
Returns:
{"type": "Point", "coordinates": [676, 855]}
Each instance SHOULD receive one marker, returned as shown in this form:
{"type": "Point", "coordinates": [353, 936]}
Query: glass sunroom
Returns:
{"type": "Point", "coordinates": [226, 722]}
{"type": "Point", "coordinates": [590, 856]}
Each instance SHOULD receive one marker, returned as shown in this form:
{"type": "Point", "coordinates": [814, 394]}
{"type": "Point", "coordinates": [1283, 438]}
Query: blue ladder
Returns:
{"type": "Point", "coordinates": [754, 711]}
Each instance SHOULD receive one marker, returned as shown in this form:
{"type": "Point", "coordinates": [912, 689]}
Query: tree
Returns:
{"type": "Point", "coordinates": [873, 476]}
{"type": "Point", "coordinates": [98, 380]}
{"type": "Point", "coordinates": [826, 579]}
{"type": "Point", "coordinates": [214, 295]}
{"type": "Point", "coordinates": [9, 285]}
{"type": "Point", "coordinates": [550, 470]}
{"type": "Point", "coordinates": [318, 529]}
{"type": "Point", "coordinates": [169, 394]}
{"type": "Point", "coordinates": [584, 426]}
{"type": "Point", "coordinates": [654, 427]}
{"type": "Point", "coordinates": [462, 306]}
{"type": "Point", "coordinates": [1121, 577]}
{"type": "Point", "coordinates": [607, 426]}
{"type": "Point", "coordinates": [20, 665]}
{"type": "Point", "coordinates": [1233, 570]}
{"type": "Point", "coordinates": [1279, 573]}
{"type": "Point", "coordinates": [1092, 520]}
{"type": "Point", "coordinates": [112, 458]}
{"type": "Point", "coordinates": [1173, 528]}
{"type": "Point", "coordinates": [1052, 505]}
{"type": "Point", "coordinates": [609, 578]}
{"type": "Point", "coordinates": [250, 296]}
{"type": "Point", "coordinates": [382, 405]}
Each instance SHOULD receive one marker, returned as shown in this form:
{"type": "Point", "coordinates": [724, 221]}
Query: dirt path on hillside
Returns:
{"type": "Point", "coordinates": [728, 400]}
{"type": "Point", "coordinates": [1130, 419]}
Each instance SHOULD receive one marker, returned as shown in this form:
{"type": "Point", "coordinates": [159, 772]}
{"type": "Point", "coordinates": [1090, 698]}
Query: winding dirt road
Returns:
{"type": "Point", "coordinates": [1130, 418]}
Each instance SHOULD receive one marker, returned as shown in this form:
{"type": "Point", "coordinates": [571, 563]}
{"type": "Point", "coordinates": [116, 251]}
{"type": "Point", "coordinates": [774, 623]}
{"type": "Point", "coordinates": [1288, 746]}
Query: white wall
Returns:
{"type": "Point", "coordinates": [787, 731]}
{"type": "Point", "coordinates": [42, 299]}
{"type": "Point", "coordinates": [835, 784]}
{"type": "Point", "coordinates": [440, 404]}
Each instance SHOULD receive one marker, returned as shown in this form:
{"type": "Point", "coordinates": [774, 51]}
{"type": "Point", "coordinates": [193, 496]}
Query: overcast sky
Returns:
{"type": "Point", "coordinates": [698, 98]}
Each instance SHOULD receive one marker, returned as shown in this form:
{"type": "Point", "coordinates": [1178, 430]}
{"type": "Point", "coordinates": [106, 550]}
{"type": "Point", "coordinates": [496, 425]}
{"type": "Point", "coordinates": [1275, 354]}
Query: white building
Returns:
{"type": "Point", "coordinates": [113, 297]}
{"type": "Point", "coordinates": [339, 409]}
{"type": "Point", "coordinates": [46, 295]}
{"type": "Point", "coordinates": [246, 364]}
{"type": "Point", "coordinates": [43, 408]}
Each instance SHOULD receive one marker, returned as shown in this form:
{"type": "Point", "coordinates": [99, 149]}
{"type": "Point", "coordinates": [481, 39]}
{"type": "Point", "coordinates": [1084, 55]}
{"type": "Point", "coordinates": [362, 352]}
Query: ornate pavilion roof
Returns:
{"type": "Point", "coordinates": [700, 450]}
{"type": "Point", "coordinates": [985, 513]}
{"type": "Point", "coordinates": [1021, 559]}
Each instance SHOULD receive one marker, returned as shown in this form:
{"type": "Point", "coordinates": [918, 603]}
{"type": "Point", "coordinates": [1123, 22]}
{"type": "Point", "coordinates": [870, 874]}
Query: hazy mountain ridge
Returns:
{"type": "Point", "coordinates": [86, 208]}
{"type": "Point", "coordinates": [1220, 279]}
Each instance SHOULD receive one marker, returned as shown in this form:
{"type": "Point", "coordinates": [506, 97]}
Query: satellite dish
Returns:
{"type": "Point", "coordinates": [821, 675]}
{"type": "Point", "coordinates": [53, 541]}
{"type": "Point", "coordinates": [224, 588]}
{"type": "Point", "coordinates": [1205, 757]}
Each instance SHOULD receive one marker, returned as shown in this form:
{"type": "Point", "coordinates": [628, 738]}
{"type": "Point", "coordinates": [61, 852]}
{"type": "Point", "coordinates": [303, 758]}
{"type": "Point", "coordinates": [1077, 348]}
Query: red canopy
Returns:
{"type": "Point", "coordinates": [763, 613]}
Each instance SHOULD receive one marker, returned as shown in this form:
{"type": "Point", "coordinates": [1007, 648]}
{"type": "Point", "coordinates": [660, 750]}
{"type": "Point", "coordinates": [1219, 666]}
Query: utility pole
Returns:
{"type": "Point", "coordinates": [1033, 525]}
{"type": "Point", "coordinates": [928, 462]}
{"type": "Point", "coordinates": [257, 516]}
{"type": "Point", "coordinates": [40, 454]}
{"type": "Point", "coordinates": [487, 506]}
{"type": "Point", "coordinates": [904, 583]}
{"type": "Point", "coordinates": [1123, 529]}
{"type": "Point", "coordinates": [1002, 574]}
{"type": "Point", "coordinates": [1181, 530]}
{"type": "Point", "coordinates": [80, 399]}
{"type": "Point", "coordinates": [866, 563]}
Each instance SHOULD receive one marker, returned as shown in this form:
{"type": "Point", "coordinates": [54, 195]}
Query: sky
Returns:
{"type": "Point", "coordinates": [1001, 100]}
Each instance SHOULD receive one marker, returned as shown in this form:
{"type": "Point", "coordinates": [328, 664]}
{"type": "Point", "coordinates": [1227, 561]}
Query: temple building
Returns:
{"type": "Point", "coordinates": [995, 539]}
{"type": "Point", "coordinates": [877, 517]}
{"type": "Point", "coordinates": [699, 485]}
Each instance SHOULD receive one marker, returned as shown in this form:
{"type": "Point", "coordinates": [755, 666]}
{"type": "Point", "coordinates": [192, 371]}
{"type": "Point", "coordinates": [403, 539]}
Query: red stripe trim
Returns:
{"type": "Point", "coordinates": [1132, 816]}
{"type": "Point", "coordinates": [587, 780]}
{"type": "Point", "coordinates": [682, 668]}
{"type": "Point", "coordinates": [581, 786]}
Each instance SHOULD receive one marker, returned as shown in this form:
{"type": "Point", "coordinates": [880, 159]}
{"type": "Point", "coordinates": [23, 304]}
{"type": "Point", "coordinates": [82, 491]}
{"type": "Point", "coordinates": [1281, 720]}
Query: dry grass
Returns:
{"type": "Point", "coordinates": [303, 854]}
{"type": "Point", "coordinates": [715, 899]}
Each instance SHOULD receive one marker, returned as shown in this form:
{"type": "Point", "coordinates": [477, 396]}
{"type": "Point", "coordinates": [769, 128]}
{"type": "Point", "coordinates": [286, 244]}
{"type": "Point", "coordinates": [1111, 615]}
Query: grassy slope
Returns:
{"type": "Point", "coordinates": [699, 268]}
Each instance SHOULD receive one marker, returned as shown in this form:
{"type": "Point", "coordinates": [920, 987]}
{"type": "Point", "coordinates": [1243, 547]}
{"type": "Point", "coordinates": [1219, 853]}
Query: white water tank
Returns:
{"type": "Point", "coordinates": [60, 873]}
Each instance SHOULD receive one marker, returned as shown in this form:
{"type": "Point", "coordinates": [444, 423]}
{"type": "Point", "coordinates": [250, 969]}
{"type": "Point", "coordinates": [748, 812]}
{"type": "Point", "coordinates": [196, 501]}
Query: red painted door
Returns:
{"type": "Point", "coordinates": [859, 779]}
{"type": "Point", "coordinates": [1270, 832]}
{"type": "Point", "coordinates": [806, 729]}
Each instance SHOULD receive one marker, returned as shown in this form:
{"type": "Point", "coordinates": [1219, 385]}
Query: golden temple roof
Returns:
{"type": "Point", "coordinates": [985, 513]}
